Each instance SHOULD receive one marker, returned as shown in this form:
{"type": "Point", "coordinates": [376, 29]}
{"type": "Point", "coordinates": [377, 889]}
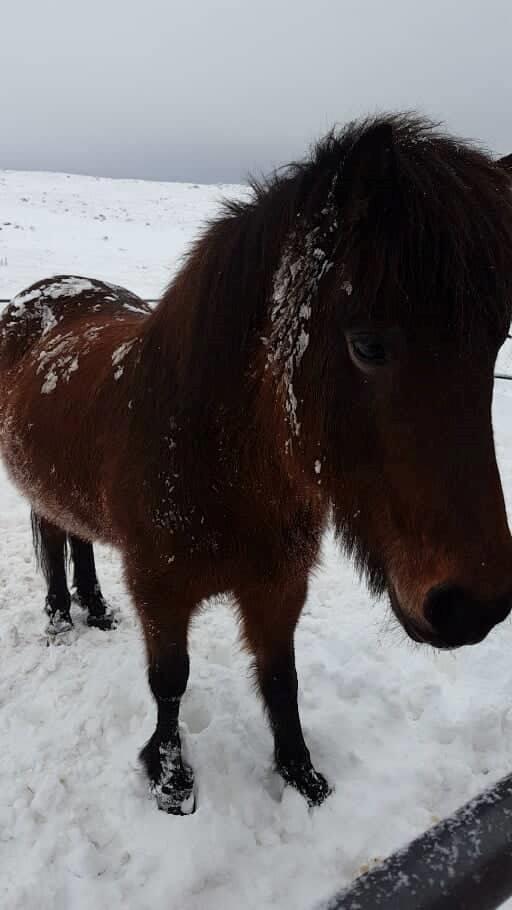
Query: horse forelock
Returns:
{"type": "Point", "coordinates": [428, 242]}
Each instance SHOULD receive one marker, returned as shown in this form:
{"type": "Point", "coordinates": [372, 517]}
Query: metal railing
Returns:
{"type": "Point", "coordinates": [463, 863]}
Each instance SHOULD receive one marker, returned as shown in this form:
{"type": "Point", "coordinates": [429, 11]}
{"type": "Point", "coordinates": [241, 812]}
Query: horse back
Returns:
{"type": "Point", "coordinates": [67, 349]}
{"type": "Point", "coordinates": [43, 307]}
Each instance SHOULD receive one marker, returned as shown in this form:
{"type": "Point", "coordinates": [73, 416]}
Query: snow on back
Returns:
{"type": "Point", "coordinates": [68, 287]}
{"type": "Point", "coordinates": [65, 287]}
{"type": "Point", "coordinates": [121, 352]}
{"type": "Point", "coordinates": [40, 308]}
{"type": "Point", "coordinates": [61, 366]}
{"type": "Point", "coordinates": [20, 301]}
{"type": "Point", "coordinates": [119, 355]}
{"type": "Point", "coordinates": [40, 300]}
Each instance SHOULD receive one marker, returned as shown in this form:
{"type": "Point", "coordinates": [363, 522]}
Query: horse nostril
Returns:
{"type": "Point", "coordinates": [446, 609]}
{"type": "Point", "coordinates": [459, 618]}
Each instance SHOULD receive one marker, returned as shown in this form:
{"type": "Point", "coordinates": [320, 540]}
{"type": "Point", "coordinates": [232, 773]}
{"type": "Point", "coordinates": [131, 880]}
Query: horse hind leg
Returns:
{"type": "Point", "coordinates": [87, 591]}
{"type": "Point", "coordinates": [50, 546]}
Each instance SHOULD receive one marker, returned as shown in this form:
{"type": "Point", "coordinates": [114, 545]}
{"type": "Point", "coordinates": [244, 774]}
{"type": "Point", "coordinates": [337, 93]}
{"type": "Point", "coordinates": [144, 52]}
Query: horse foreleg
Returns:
{"type": "Point", "coordinates": [270, 614]}
{"type": "Point", "coordinates": [87, 587]}
{"type": "Point", "coordinates": [50, 547]}
{"type": "Point", "coordinates": [165, 630]}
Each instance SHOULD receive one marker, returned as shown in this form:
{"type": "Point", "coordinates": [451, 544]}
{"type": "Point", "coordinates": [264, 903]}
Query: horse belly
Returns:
{"type": "Point", "coordinates": [53, 471]}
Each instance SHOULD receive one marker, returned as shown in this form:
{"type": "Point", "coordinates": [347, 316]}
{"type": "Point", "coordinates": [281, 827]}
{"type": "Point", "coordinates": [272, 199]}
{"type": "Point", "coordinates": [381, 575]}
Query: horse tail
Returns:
{"type": "Point", "coordinates": [41, 551]}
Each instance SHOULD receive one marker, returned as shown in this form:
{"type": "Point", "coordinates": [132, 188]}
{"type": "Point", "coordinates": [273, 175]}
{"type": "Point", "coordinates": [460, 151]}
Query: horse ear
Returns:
{"type": "Point", "coordinates": [370, 164]}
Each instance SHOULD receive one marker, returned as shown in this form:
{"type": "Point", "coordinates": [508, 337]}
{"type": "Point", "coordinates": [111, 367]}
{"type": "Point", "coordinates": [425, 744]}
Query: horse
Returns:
{"type": "Point", "coordinates": [325, 353]}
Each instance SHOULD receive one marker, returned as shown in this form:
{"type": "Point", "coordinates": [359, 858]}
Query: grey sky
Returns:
{"type": "Point", "coordinates": [207, 91]}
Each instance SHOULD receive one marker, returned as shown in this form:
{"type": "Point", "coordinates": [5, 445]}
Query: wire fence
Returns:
{"type": "Point", "coordinates": [145, 299]}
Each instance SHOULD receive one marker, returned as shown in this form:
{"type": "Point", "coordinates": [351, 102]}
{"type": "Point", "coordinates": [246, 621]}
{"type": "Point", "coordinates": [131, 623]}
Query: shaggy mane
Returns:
{"type": "Point", "coordinates": [431, 243]}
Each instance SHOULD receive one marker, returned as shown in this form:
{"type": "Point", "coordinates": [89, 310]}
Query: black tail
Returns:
{"type": "Point", "coordinates": [40, 550]}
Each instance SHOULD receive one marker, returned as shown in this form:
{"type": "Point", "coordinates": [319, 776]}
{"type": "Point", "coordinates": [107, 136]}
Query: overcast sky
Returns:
{"type": "Point", "coordinates": [208, 91]}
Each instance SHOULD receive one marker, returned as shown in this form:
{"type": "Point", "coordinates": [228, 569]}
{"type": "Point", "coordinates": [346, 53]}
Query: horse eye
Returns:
{"type": "Point", "coordinates": [369, 350]}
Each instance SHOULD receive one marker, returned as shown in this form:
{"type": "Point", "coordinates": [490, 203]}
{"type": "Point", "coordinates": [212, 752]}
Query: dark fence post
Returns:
{"type": "Point", "coordinates": [464, 863]}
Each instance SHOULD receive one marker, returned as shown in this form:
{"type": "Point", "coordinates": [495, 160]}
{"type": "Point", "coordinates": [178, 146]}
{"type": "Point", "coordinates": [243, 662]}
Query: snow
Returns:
{"type": "Point", "coordinates": [50, 383]}
{"type": "Point", "coordinates": [61, 361]}
{"type": "Point", "coordinates": [128, 232]}
{"type": "Point", "coordinates": [67, 287]}
{"type": "Point", "coordinates": [70, 287]}
{"type": "Point", "coordinates": [302, 266]}
{"type": "Point", "coordinates": [118, 357]}
{"type": "Point", "coordinates": [404, 734]}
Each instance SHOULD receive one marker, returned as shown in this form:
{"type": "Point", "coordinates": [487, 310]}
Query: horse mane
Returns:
{"type": "Point", "coordinates": [434, 238]}
{"type": "Point", "coordinates": [505, 162]}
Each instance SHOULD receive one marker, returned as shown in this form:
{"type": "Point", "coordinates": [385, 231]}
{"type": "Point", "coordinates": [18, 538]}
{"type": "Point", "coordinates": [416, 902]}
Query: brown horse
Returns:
{"type": "Point", "coordinates": [328, 345]}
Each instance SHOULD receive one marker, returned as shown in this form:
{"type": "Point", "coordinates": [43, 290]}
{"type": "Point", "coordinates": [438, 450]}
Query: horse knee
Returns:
{"type": "Point", "coordinates": [168, 675]}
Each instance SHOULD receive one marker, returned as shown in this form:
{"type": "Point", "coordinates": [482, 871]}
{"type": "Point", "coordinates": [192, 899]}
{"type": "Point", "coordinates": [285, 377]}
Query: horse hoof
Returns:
{"type": "Point", "coordinates": [174, 802]}
{"type": "Point", "coordinates": [317, 790]}
{"type": "Point", "coordinates": [310, 783]}
{"type": "Point", "coordinates": [171, 779]}
{"type": "Point", "coordinates": [99, 614]}
{"type": "Point", "coordinates": [174, 789]}
{"type": "Point", "coordinates": [58, 624]}
{"type": "Point", "coordinates": [105, 622]}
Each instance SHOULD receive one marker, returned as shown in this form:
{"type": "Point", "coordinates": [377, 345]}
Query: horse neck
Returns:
{"type": "Point", "coordinates": [204, 360]}
{"type": "Point", "coordinates": [203, 334]}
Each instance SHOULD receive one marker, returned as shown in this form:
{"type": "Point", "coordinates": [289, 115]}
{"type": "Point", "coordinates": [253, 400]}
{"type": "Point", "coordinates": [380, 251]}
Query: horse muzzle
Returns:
{"type": "Point", "coordinates": [453, 617]}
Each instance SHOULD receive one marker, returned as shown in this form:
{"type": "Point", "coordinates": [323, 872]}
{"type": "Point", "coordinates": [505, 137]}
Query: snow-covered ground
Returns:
{"type": "Point", "coordinates": [403, 733]}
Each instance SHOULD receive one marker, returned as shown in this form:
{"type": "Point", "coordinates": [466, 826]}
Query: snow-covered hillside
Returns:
{"type": "Point", "coordinates": [403, 733]}
{"type": "Point", "coordinates": [130, 231]}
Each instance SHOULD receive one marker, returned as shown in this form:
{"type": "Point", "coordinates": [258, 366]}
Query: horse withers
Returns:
{"type": "Point", "coordinates": [327, 348]}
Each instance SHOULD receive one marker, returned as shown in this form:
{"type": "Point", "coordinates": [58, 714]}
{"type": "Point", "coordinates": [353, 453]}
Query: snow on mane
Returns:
{"type": "Point", "coordinates": [303, 264]}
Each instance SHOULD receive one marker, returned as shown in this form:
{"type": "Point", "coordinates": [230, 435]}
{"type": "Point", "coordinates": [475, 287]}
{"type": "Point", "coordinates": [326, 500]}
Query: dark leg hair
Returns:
{"type": "Point", "coordinates": [87, 587]}
{"type": "Point", "coordinates": [270, 614]}
{"type": "Point", "coordinates": [165, 626]}
{"type": "Point", "coordinates": [51, 549]}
